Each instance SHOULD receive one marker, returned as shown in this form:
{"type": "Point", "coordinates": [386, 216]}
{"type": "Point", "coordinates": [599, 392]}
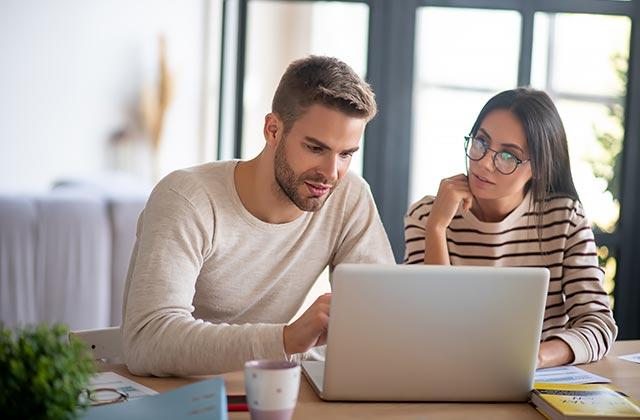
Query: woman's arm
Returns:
{"type": "Point", "coordinates": [554, 352]}
{"type": "Point", "coordinates": [452, 193]}
{"type": "Point", "coordinates": [591, 329]}
{"type": "Point", "coordinates": [435, 245]}
{"type": "Point", "coordinates": [414, 230]}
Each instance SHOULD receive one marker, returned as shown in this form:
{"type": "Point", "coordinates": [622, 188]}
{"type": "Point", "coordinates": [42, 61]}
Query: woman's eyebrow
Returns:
{"type": "Point", "coordinates": [511, 145]}
{"type": "Point", "coordinates": [485, 132]}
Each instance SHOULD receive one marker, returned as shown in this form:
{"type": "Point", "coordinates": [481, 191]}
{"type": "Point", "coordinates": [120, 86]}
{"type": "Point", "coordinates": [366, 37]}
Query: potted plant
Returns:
{"type": "Point", "coordinates": [41, 373]}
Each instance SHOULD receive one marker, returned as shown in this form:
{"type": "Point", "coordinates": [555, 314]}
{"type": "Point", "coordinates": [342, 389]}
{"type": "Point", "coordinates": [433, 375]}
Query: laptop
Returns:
{"type": "Point", "coordinates": [431, 333]}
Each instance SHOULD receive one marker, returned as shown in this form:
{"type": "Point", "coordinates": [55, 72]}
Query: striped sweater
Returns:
{"type": "Point", "coordinates": [577, 309]}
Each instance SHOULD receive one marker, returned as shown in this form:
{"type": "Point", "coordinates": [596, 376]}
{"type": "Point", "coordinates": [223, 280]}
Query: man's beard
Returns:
{"type": "Point", "coordinates": [289, 183]}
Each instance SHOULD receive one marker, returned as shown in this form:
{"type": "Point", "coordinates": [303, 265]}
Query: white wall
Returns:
{"type": "Point", "coordinates": [71, 76]}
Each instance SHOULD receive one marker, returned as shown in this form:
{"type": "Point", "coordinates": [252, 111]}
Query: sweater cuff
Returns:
{"type": "Point", "coordinates": [274, 347]}
{"type": "Point", "coordinates": [580, 353]}
{"type": "Point", "coordinates": [272, 343]}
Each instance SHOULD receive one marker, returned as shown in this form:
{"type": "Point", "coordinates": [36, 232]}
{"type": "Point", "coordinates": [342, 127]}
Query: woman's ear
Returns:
{"type": "Point", "coordinates": [273, 128]}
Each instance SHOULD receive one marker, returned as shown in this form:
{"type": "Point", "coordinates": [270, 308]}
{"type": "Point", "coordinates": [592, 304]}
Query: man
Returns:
{"type": "Point", "coordinates": [227, 251]}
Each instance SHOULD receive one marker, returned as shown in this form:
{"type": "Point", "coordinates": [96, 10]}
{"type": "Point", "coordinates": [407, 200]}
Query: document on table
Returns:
{"type": "Point", "coordinates": [205, 400]}
{"type": "Point", "coordinates": [631, 357]}
{"type": "Point", "coordinates": [119, 382]}
{"type": "Point", "coordinates": [568, 375]}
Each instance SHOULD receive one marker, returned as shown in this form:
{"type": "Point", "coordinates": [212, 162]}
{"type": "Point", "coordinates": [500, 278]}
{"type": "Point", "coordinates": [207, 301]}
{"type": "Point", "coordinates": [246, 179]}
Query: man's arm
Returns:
{"type": "Point", "coordinates": [364, 239]}
{"type": "Point", "coordinates": [161, 336]}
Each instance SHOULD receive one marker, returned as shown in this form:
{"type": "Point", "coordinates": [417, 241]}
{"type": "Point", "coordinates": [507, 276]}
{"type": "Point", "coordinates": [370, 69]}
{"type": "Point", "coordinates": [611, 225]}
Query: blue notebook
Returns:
{"type": "Point", "coordinates": [201, 400]}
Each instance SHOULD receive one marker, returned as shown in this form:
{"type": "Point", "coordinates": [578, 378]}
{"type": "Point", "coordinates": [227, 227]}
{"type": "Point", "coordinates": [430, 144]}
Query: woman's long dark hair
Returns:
{"type": "Point", "coordinates": [547, 142]}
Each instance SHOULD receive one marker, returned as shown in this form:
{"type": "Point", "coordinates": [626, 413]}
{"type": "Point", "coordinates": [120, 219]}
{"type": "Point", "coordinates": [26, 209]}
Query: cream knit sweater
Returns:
{"type": "Point", "coordinates": [210, 286]}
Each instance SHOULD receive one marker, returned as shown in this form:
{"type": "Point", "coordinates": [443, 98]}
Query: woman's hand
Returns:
{"type": "Point", "coordinates": [452, 192]}
{"type": "Point", "coordinates": [554, 352]}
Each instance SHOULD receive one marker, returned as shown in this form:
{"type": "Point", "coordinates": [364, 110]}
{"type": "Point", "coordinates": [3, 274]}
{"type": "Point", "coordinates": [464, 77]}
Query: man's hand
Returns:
{"type": "Point", "coordinates": [310, 330]}
{"type": "Point", "coordinates": [451, 193]}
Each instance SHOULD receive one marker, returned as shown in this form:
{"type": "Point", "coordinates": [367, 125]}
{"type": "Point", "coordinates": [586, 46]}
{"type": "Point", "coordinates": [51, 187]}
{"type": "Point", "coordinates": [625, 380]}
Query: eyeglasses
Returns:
{"type": "Point", "coordinates": [504, 162]}
{"type": "Point", "coordinates": [103, 396]}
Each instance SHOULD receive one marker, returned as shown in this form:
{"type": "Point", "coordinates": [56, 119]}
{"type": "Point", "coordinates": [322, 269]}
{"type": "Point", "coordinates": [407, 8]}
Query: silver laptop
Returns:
{"type": "Point", "coordinates": [431, 333]}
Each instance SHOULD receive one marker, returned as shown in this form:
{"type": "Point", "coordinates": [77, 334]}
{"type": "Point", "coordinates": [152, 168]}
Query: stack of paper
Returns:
{"type": "Point", "coordinates": [201, 400]}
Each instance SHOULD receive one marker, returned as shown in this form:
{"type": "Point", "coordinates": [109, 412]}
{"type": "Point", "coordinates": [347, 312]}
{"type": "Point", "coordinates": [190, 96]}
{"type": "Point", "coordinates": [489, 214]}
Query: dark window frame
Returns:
{"type": "Point", "coordinates": [387, 155]}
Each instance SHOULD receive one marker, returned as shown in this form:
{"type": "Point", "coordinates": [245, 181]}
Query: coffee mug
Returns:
{"type": "Point", "coordinates": [272, 388]}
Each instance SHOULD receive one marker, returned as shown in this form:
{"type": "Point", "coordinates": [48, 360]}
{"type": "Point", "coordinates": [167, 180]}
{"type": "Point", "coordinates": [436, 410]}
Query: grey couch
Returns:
{"type": "Point", "coordinates": [64, 254]}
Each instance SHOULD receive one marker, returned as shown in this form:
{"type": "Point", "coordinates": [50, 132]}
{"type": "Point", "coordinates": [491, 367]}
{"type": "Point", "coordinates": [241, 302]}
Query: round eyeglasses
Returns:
{"type": "Point", "coordinates": [103, 396]}
{"type": "Point", "coordinates": [504, 162]}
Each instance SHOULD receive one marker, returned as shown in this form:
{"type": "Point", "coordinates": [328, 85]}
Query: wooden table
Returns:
{"type": "Point", "coordinates": [624, 374]}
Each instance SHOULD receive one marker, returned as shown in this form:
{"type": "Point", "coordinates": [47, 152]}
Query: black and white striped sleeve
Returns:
{"type": "Point", "coordinates": [591, 329]}
{"type": "Point", "coordinates": [414, 237]}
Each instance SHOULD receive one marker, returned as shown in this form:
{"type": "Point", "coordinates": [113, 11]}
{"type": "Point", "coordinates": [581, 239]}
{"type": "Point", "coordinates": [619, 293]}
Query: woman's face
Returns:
{"type": "Point", "coordinates": [501, 131]}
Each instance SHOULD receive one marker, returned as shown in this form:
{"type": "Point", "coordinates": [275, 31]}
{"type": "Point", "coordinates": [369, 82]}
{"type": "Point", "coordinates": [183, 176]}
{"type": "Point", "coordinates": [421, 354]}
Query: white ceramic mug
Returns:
{"type": "Point", "coordinates": [272, 388]}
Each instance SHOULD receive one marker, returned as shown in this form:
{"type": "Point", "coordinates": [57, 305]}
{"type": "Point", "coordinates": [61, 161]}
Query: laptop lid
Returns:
{"type": "Point", "coordinates": [433, 333]}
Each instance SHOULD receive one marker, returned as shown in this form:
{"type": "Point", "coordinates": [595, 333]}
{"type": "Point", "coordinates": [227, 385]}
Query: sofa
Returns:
{"type": "Point", "coordinates": [64, 254]}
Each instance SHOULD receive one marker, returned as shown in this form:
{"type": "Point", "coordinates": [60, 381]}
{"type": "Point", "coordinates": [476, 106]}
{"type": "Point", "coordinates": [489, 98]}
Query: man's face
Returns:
{"type": "Point", "coordinates": [311, 159]}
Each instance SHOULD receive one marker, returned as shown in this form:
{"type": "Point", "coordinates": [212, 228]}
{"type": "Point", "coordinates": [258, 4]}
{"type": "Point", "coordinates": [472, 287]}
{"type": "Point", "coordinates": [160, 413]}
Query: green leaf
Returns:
{"type": "Point", "coordinates": [41, 374]}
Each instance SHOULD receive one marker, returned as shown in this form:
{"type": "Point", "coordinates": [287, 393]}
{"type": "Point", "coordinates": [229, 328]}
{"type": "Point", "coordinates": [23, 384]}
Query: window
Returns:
{"type": "Point", "coordinates": [281, 31]}
{"type": "Point", "coordinates": [453, 80]}
{"type": "Point", "coordinates": [571, 52]}
{"type": "Point", "coordinates": [434, 63]}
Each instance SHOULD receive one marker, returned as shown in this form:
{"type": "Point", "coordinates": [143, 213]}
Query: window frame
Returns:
{"type": "Point", "coordinates": [387, 156]}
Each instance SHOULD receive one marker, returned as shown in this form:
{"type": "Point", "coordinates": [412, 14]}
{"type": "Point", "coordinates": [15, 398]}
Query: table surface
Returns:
{"type": "Point", "coordinates": [623, 374]}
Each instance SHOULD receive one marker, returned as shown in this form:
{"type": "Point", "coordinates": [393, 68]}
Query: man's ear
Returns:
{"type": "Point", "coordinates": [273, 128]}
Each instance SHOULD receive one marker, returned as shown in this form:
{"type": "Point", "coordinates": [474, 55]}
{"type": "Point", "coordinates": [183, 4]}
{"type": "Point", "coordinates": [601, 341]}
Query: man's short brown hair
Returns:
{"type": "Point", "coordinates": [325, 81]}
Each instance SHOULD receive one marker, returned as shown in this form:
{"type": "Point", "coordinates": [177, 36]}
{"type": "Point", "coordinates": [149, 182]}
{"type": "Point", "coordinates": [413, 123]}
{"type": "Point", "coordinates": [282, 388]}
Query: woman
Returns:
{"type": "Point", "coordinates": [518, 206]}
